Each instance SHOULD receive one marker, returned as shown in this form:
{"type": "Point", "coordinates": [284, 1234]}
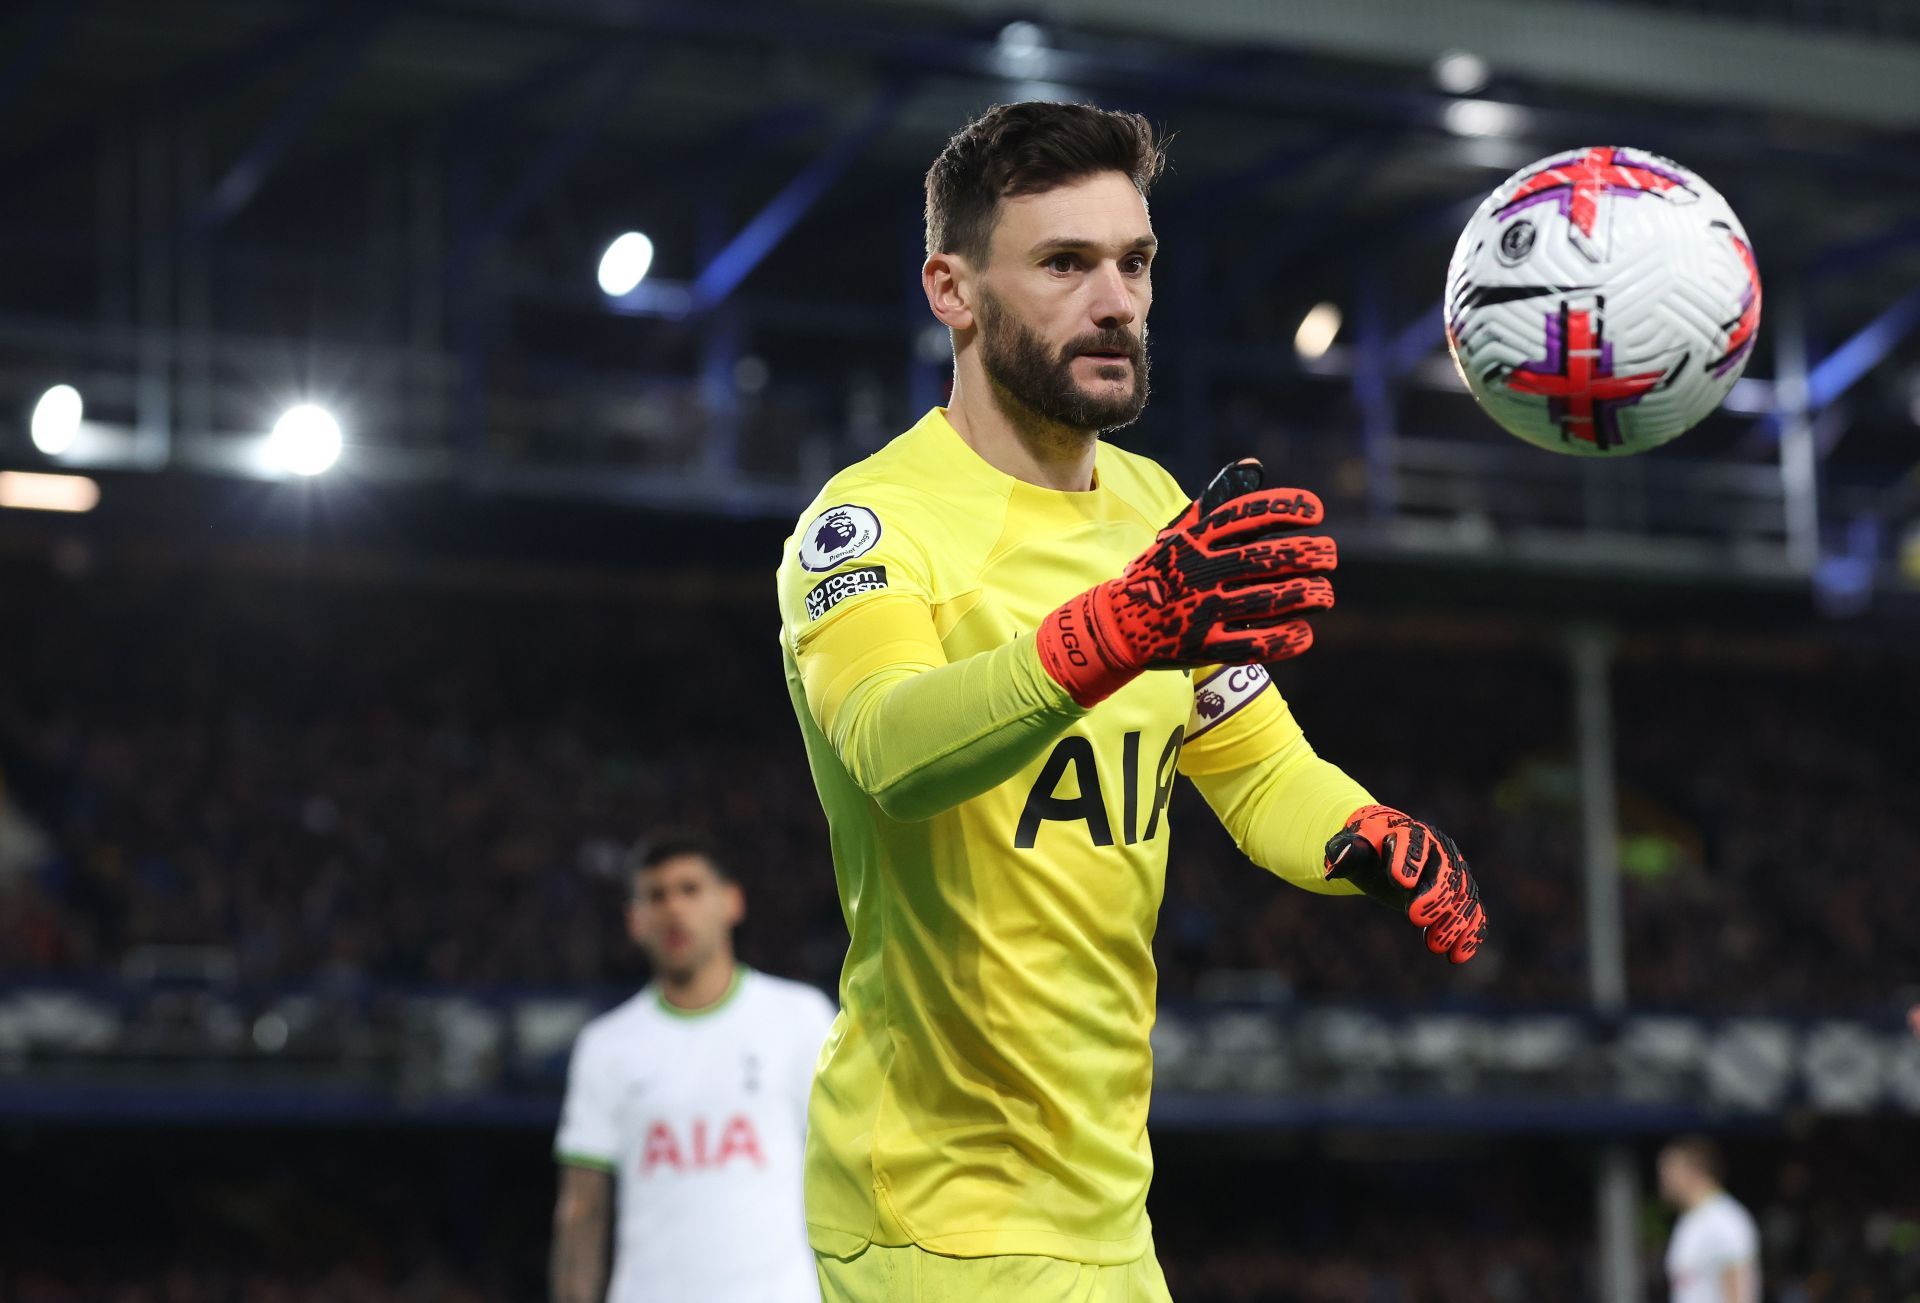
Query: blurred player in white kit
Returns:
{"type": "Point", "coordinates": [1714, 1256]}
{"type": "Point", "coordinates": [687, 1105]}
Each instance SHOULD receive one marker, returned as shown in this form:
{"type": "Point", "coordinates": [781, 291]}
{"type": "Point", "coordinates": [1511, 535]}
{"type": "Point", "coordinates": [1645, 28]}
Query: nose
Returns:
{"type": "Point", "coordinates": [1112, 304]}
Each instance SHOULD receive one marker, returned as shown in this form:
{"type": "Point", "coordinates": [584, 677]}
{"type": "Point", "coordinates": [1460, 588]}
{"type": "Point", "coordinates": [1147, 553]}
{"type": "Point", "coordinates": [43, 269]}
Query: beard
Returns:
{"type": "Point", "coordinates": [1040, 380]}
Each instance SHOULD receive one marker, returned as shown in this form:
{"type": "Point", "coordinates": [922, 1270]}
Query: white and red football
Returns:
{"type": "Point", "coordinates": [1602, 301]}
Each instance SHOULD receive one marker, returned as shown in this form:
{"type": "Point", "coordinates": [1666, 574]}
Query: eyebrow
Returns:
{"type": "Point", "coordinates": [1140, 244]}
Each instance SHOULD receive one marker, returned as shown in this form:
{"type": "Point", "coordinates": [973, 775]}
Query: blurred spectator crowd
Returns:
{"type": "Point", "coordinates": [460, 1218]}
{"type": "Point", "coordinates": [354, 778]}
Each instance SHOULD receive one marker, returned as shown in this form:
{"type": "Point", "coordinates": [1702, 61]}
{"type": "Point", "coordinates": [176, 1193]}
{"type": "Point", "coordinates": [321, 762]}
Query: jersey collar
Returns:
{"type": "Point", "coordinates": [958, 455]}
{"type": "Point", "coordinates": [726, 998]}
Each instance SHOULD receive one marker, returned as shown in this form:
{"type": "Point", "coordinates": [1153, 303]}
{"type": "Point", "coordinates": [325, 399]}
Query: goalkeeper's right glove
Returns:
{"type": "Point", "coordinates": [1223, 584]}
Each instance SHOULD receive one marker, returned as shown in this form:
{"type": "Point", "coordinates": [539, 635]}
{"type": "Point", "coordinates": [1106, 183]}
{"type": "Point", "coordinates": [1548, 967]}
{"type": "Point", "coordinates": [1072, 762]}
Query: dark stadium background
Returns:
{"type": "Point", "coordinates": [313, 789]}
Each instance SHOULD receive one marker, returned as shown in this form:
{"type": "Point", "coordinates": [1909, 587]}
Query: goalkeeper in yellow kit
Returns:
{"type": "Point", "coordinates": [1004, 638]}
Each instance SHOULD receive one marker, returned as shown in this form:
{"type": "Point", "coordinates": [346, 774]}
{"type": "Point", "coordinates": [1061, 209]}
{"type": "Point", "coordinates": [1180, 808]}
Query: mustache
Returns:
{"type": "Point", "coordinates": [1125, 342]}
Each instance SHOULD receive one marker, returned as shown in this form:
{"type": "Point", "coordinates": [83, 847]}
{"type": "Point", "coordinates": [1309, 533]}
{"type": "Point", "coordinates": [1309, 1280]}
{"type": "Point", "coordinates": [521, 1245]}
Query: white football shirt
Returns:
{"type": "Point", "coordinates": [702, 1118]}
{"type": "Point", "coordinates": [1715, 1234]}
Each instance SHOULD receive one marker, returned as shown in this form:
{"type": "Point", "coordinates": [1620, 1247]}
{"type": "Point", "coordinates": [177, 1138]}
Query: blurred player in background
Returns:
{"type": "Point", "coordinates": [995, 724]}
{"type": "Point", "coordinates": [688, 1105]}
{"type": "Point", "coordinates": [1714, 1256]}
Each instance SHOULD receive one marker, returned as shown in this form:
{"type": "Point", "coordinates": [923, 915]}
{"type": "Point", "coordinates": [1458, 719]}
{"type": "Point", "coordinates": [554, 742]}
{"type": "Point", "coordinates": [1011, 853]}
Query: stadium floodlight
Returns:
{"type": "Point", "coordinates": [1024, 56]}
{"type": "Point", "coordinates": [1460, 72]}
{"type": "Point", "coordinates": [56, 419]}
{"type": "Point", "coordinates": [1484, 118]}
{"type": "Point", "coordinates": [305, 440]}
{"type": "Point", "coordinates": [625, 264]}
{"type": "Point", "coordinates": [1021, 51]}
{"type": "Point", "coordinates": [30, 491]}
{"type": "Point", "coordinates": [751, 374]}
{"type": "Point", "coordinates": [1317, 330]}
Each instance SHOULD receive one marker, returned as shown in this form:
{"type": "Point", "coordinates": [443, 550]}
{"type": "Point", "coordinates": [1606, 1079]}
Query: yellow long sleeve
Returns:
{"type": "Point", "coordinates": [1281, 810]}
{"type": "Point", "coordinates": [915, 732]}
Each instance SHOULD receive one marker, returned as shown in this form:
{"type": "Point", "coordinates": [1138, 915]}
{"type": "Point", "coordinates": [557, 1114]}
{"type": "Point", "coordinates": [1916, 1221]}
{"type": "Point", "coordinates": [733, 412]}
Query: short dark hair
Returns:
{"type": "Point", "coordinates": [1023, 149]}
{"type": "Point", "coordinates": [1702, 1153]}
{"type": "Point", "coordinates": [672, 844]}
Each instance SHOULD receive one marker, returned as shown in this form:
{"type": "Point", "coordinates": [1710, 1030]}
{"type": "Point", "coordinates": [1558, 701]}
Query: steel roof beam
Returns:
{"type": "Point", "coordinates": [1840, 259]}
{"type": "Point", "coordinates": [1679, 58]}
{"type": "Point", "coordinates": [51, 24]}
{"type": "Point", "coordinates": [1416, 339]}
{"type": "Point", "coordinates": [766, 229]}
{"type": "Point", "coordinates": [1841, 369]}
{"type": "Point", "coordinates": [1212, 193]}
{"type": "Point", "coordinates": [243, 180]}
{"type": "Point", "coordinates": [566, 148]}
{"type": "Point", "coordinates": [1246, 73]}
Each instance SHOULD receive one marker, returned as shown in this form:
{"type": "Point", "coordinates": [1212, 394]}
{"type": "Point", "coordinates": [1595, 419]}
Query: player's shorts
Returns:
{"type": "Point", "coordinates": [879, 1274]}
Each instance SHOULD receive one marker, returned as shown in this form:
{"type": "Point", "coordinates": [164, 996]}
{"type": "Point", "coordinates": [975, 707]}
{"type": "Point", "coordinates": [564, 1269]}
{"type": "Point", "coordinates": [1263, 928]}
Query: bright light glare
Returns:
{"type": "Point", "coordinates": [1046, 92]}
{"type": "Point", "coordinates": [1484, 118]}
{"type": "Point", "coordinates": [1022, 50]}
{"type": "Point", "coordinates": [1317, 330]}
{"type": "Point", "coordinates": [625, 263]}
{"type": "Point", "coordinates": [1022, 37]}
{"type": "Point", "coordinates": [305, 440]}
{"type": "Point", "coordinates": [32, 492]}
{"type": "Point", "coordinates": [1748, 395]}
{"type": "Point", "coordinates": [1459, 72]}
{"type": "Point", "coordinates": [56, 419]}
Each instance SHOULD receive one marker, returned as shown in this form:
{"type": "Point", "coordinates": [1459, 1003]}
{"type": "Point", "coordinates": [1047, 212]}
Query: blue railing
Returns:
{"type": "Point", "coordinates": [110, 1050]}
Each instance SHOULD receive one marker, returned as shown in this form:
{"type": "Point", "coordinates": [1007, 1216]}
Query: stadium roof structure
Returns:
{"type": "Point", "coordinates": [220, 207]}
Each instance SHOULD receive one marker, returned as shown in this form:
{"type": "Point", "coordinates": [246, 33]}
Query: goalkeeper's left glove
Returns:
{"type": "Point", "coordinates": [1416, 870]}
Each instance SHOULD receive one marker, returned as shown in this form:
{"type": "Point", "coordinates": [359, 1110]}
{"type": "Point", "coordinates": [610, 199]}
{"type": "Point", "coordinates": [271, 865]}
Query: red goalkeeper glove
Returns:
{"type": "Point", "coordinates": [1223, 584]}
{"type": "Point", "coordinates": [1416, 870]}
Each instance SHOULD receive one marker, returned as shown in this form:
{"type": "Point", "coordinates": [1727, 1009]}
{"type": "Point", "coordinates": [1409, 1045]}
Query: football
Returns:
{"type": "Point", "coordinates": [1602, 301]}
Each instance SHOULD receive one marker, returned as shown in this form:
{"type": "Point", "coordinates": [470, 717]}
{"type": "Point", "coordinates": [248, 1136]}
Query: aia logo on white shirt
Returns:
{"type": "Point", "coordinates": [702, 1148]}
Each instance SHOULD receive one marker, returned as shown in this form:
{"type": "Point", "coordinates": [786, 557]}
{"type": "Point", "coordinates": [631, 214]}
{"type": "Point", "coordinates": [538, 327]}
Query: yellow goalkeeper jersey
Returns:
{"type": "Point", "coordinates": [985, 1087]}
